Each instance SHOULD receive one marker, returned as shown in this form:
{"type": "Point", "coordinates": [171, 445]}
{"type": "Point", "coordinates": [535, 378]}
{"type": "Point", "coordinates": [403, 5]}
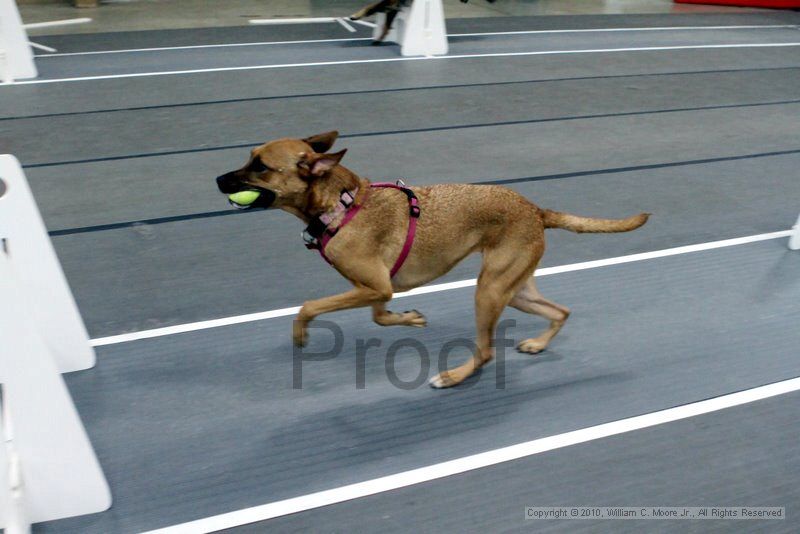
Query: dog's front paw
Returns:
{"type": "Point", "coordinates": [299, 333]}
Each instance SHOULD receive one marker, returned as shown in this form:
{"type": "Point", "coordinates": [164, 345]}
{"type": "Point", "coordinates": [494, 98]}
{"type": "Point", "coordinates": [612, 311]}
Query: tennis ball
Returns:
{"type": "Point", "coordinates": [244, 198]}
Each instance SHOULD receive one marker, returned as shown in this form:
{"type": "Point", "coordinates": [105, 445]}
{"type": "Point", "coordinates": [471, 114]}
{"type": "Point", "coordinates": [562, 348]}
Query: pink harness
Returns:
{"type": "Point", "coordinates": [317, 234]}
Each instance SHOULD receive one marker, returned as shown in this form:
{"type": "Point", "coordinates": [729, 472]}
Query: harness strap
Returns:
{"type": "Point", "coordinates": [317, 235]}
{"type": "Point", "coordinates": [413, 215]}
{"type": "Point", "coordinates": [328, 235]}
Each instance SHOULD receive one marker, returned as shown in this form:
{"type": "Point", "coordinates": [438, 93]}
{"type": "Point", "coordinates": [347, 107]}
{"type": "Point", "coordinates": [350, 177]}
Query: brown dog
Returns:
{"type": "Point", "coordinates": [300, 177]}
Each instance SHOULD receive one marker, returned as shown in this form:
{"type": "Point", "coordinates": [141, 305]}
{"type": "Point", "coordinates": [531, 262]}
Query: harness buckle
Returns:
{"type": "Point", "coordinates": [413, 210]}
{"type": "Point", "coordinates": [346, 199]}
{"type": "Point", "coordinates": [309, 240]}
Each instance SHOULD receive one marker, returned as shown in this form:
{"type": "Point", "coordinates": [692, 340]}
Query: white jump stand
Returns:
{"type": "Point", "coordinates": [794, 239]}
{"type": "Point", "coordinates": [48, 469]}
{"type": "Point", "coordinates": [16, 57]}
{"type": "Point", "coordinates": [419, 29]}
{"type": "Point", "coordinates": [26, 242]}
{"type": "Point", "coordinates": [51, 471]}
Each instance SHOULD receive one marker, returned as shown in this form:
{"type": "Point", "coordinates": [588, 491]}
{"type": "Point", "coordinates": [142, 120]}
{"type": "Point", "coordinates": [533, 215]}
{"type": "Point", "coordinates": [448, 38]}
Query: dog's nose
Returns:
{"type": "Point", "coordinates": [227, 183]}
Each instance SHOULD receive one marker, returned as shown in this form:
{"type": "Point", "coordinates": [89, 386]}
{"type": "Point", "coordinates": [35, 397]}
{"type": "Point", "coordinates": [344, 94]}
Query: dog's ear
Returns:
{"type": "Point", "coordinates": [323, 142]}
{"type": "Point", "coordinates": [318, 165]}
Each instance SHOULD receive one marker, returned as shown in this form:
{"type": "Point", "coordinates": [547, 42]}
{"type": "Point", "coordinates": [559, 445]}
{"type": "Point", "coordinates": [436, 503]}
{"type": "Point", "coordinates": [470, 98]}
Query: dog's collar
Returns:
{"type": "Point", "coordinates": [321, 224]}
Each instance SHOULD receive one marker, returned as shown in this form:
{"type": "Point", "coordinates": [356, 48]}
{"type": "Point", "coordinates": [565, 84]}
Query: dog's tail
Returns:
{"type": "Point", "coordinates": [575, 223]}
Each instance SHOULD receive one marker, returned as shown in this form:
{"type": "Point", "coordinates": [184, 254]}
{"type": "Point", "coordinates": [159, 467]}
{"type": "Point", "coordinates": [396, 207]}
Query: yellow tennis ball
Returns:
{"type": "Point", "coordinates": [244, 198]}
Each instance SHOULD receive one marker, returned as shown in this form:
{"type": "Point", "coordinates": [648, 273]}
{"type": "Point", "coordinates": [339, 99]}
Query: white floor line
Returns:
{"type": "Point", "coordinates": [196, 47]}
{"type": "Point", "coordinates": [396, 59]}
{"type": "Point", "coordinates": [656, 29]}
{"type": "Point", "coordinates": [346, 39]}
{"type": "Point", "coordinates": [477, 461]}
{"type": "Point", "coordinates": [435, 288]}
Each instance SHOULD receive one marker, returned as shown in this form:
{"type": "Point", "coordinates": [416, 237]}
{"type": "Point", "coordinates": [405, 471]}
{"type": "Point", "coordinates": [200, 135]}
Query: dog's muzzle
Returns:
{"type": "Point", "coordinates": [229, 184]}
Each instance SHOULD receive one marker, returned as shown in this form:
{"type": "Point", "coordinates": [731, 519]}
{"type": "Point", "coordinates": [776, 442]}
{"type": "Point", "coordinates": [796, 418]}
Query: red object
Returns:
{"type": "Point", "coordinates": [777, 4]}
{"type": "Point", "coordinates": [414, 212]}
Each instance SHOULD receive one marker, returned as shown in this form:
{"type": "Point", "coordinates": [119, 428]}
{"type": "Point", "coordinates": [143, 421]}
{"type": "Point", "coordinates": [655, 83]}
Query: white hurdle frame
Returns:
{"type": "Point", "coordinates": [794, 239]}
{"type": "Point", "coordinates": [52, 24]}
{"type": "Point", "coordinates": [419, 28]}
{"type": "Point", "coordinates": [16, 58]}
{"type": "Point", "coordinates": [48, 469]}
{"type": "Point", "coordinates": [25, 240]}
{"type": "Point", "coordinates": [345, 23]}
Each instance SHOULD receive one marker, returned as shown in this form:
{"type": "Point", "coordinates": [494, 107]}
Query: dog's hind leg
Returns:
{"type": "Point", "coordinates": [384, 317]}
{"type": "Point", "coordinates": [529, 300]}
{"type": "Point", "coordinates": [504, 270]}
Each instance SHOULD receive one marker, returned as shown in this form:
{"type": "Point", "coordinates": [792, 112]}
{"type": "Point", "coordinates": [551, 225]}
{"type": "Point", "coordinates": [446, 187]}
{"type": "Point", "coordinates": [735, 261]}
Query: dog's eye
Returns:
{"type": "Point", "coordinates": [257, 166]}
